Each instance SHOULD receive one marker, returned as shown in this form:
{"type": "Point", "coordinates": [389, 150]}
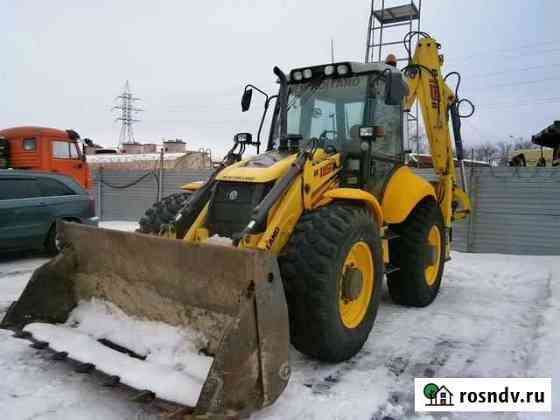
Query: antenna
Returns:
{"type": "Point", "coordinates": [127, 112]}
{"type": "Point", "coordinates": [332, 50]}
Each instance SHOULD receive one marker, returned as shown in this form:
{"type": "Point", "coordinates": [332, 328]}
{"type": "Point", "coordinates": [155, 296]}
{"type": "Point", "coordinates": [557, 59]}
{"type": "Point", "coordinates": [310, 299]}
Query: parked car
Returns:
{"type": "Point", "coordinates": [32, 202]}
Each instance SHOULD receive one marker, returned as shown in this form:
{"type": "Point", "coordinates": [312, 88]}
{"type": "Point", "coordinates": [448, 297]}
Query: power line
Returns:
{"type": "Point", "coordinates": [127, 111]}
{"type": "Point", "coordinates": [475, 128]}
{"type": "Point", "coordinates": [514, 70]}
{"type": "Point", "coordinates": [512, 49]}
{"type": "Point", "coordinates": [527, 82]}
{"type": "Point", "coordinates": [510, 101]}
{"type": "Point", "coordinates": [551, 101]}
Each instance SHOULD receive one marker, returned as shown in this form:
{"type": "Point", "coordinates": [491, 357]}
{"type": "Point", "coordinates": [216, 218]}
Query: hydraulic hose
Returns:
{"type": "Point", "coordinates": [456, 124]}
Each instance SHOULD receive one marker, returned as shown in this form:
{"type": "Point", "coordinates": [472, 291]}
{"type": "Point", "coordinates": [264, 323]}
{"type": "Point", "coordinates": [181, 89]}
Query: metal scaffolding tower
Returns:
{"type": "Point", "coordinates": [388, 24]}
{"type": "Point", "coordinates": [127, 111]}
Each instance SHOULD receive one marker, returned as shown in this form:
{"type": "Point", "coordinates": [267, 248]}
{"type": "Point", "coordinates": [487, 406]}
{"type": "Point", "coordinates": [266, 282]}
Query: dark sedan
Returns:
{"type": "Point", "coordinates": [32, 202]}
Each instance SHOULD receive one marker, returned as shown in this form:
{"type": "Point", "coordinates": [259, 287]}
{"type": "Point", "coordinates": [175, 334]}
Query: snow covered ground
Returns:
{"type": "Point", "coordinates": [496, 316]}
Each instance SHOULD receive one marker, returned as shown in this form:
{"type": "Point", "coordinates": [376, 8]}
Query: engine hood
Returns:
{"type": "Point", "coordinates": [265, 167]}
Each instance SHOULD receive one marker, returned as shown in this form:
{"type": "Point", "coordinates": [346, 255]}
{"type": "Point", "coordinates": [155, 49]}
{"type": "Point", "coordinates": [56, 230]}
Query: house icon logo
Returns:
{"type": "Point", "coordinates": [439, 396]}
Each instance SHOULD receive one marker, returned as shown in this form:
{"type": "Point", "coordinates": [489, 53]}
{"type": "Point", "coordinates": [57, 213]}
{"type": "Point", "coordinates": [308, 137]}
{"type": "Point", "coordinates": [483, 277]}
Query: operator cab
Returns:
{"type": "Point", "coordinates": [343, 105]}
{"type": "Point", "coordinates": [350, 108]}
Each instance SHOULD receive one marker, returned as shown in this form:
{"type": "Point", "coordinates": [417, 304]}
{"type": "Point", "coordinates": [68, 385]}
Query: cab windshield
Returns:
{"type": "Point", "coordinates": [333, 110]}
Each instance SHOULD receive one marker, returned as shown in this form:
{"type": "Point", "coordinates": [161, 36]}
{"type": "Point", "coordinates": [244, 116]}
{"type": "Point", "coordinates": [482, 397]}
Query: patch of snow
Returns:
{"type": "Point", "coordinates": [173, 368]}
{"type": "Point", "coordinates": [119, 225]}
{"type": "Point", "coordinates": [34, 387]}
{"type": "Point", "coordinates": [496, 315]}
{"type": "Point", "coordinates": [543, 356]}
{"type": "Point", "coordinates": [14, 275]}
{"type": "Point", "coordinates": [220, 240]}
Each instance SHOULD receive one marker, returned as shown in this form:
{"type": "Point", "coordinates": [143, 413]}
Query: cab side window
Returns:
{"type": "Point", "coordinates": [30, 145]}
{"type": "Point", "coordinates": [61, 149]}
{"type": "Point", "coordinates": [389, 117]}
{"type": "Point", "coordinates": [52, 188]}
{"type": "Point", "coordinates": [14, 188]}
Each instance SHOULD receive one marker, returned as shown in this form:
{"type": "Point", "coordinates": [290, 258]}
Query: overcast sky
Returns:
{"type": "Point", "coordinates": [63, 62]}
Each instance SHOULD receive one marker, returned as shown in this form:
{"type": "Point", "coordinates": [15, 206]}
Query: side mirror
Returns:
{"type": "Point", "coordinates": [245, 138]}
{"type": "Point", "coordinates": [246, 99]}
{"type": "Point", "coordinates": [395, 89]}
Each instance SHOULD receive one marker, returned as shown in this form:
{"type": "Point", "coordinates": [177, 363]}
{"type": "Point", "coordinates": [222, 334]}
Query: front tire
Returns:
{"type": "Point", "coordinates": [162, 213]}
{"type": "Point", "coordinates": [332, 271]}
{"type": "Point", "coordinates": [419, 253]}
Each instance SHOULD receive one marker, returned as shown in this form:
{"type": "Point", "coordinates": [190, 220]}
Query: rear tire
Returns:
{"type": "Point", "coordinates": [162, 212]}
{"type": "Point", "coordinates": [313, 267]}
{"type": "Point", "coordinates": [413, 284]}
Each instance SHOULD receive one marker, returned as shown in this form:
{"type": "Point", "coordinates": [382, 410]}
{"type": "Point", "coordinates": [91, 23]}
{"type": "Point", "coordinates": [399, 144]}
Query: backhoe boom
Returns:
{"type": "Point", "coordinates": [437, 101]}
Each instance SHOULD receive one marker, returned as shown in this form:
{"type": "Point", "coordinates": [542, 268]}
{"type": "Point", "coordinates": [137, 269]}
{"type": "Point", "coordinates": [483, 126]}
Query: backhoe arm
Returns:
{"type": "Point", "coordinates": [427, 85]}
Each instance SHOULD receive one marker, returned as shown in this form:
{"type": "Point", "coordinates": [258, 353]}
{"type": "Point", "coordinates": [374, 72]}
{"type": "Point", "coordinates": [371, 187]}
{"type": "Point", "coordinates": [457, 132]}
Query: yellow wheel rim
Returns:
{"type": "Point", "coordinates": [353, 311]}
{"type": "Point", "coordinates": [434, 241]}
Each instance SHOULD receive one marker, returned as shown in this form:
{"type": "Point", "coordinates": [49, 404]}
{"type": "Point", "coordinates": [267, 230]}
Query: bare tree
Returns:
{"type": "Point", "coordinates": [485, 152]}
{"type": "Point", "coordinates": [521, 143]}
{"type": "Point", "coordinates": [500, 151]}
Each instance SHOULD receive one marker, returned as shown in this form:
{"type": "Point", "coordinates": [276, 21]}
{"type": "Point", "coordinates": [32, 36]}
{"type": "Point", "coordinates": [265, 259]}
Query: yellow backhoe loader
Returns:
{"type": "Point", "coordinates": [314, 224]}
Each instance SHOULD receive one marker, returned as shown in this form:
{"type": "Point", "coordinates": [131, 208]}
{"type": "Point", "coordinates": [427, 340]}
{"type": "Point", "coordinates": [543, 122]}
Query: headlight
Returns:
{"type": "Point", "coordinates": [307, 74]}
{"type": "Point", "coordinates": [342, 69]}
{"type": "Point", "coordinates": [297, 76]}
{"type": "Point", "coordinates": [329, 70]}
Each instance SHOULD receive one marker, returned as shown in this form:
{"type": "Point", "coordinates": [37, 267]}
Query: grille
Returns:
{"type": "Point", "coordinates": [231, 206]}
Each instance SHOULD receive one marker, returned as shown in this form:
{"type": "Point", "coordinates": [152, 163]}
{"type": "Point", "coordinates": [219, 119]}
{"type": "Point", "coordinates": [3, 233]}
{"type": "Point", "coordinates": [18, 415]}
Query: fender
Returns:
{"type": "Point", "coordinates": [402, 193]}
{"type": "Point", "coordinates": [192, 186]}
{"type": "Point", "coordinates": [358, 195]}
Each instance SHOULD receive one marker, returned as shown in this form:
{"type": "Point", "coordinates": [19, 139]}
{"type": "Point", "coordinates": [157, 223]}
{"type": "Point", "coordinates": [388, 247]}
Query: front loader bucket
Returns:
{"type": "Point", "coordinates": [233, 297]}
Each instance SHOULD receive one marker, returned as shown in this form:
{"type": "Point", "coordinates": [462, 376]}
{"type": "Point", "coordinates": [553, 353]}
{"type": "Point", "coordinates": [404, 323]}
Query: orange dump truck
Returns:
{"type": "Point", "coordinates": [44, 149]}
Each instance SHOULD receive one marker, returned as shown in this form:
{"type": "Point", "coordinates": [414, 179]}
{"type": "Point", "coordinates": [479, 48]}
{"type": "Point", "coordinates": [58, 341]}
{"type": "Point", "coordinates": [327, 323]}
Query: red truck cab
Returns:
{"type": "Point", "coordinates": [46, 149]}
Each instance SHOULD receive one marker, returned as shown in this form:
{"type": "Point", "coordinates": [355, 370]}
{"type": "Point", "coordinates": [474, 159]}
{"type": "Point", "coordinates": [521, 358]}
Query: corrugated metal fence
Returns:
{"type": "Point", "coordinates": [117, 203]}
{"type": "Point", "coordinates": [516, 210]}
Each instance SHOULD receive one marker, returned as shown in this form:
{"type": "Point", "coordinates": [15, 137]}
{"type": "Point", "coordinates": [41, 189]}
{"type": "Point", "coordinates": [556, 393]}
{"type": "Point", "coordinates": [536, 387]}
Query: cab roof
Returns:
{"type": "Point", "coordinates": [31, 131]}
{"type": "Point", "coordinates": [356, 68]}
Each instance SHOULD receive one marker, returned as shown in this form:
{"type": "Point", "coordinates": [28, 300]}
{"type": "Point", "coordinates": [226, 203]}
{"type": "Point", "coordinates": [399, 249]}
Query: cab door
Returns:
{"type": "Point", "coordinates": [25, 218]}
{"type": "Point", "coordinates": [387, 152]}
{"type": "Point", "coordinates": [67, 160]}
